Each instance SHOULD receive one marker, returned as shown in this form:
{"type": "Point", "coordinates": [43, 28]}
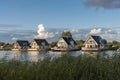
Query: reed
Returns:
{"type": "Point", "coordinates": [64, 68]}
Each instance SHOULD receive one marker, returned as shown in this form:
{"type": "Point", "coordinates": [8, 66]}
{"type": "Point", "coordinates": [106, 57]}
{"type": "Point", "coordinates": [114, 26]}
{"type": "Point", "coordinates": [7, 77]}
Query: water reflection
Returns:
{"type": "Point", "coordinates": [30, 56]}
{"type": "Point", "coordinates": [36, 55]}
{"type": "Point", "coordinates": [99, 53]}
{"type": "Point", "coordinates": [93, 54]}
{"type": "Point", "coordinates": [21, 56]}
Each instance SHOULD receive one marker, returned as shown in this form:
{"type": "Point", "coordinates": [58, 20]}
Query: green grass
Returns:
{"type": "Point", "coordinates": [63, 68]}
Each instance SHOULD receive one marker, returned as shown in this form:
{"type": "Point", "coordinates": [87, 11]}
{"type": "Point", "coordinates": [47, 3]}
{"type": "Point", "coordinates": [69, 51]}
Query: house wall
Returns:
{"type": "Point", "coordinates": [34, 45]}
{"type": "Point", "coordinates": [62, 43]}
{"type": "Point", "coordinates": [16, 46]}
{"type": "Point", "coordinates": [90, 43]}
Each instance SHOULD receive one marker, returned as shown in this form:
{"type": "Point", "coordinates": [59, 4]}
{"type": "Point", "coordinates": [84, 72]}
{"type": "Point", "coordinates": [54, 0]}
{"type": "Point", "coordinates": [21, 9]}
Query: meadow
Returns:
{"type": "Point", "coordinates": [63, 68]}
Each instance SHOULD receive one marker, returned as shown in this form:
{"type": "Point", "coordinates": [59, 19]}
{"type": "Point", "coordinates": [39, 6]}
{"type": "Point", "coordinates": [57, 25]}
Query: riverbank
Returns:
{"type": "Point", "coordinates": [62, 68]}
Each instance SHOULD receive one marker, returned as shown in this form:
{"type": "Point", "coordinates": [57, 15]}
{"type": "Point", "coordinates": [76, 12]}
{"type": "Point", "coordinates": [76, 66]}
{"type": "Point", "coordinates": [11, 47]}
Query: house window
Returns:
{"type": "Point", "coordinates": [90, 46]}
{"type": "Point", "coordinates": [61, 44]}
{"type": "Point", "coordinates": [91, 41]}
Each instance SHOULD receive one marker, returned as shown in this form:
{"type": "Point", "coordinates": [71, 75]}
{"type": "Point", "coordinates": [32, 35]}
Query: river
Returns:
{"type": "Point", "coordinates": [35, 56]}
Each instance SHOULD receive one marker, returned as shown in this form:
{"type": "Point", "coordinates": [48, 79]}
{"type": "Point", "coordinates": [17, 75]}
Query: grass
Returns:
{"type": "Point", "coordinates": [63, 68]}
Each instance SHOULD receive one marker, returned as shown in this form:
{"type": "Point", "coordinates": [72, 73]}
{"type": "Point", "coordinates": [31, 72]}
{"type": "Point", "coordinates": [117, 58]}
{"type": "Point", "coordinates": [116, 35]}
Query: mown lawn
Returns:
{"type": "Point", "coordinates": [63, 68]}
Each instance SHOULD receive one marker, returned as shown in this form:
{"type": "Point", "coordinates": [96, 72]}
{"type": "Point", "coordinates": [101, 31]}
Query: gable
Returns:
{"type": "Point", "coordinates": [16, 45]}
{"type": "Point", "coordinates": [33, 43]}
{"type": "Point", "coordinates": [90, 40]}
{"type": "Point", "coordinates": [61, 41]}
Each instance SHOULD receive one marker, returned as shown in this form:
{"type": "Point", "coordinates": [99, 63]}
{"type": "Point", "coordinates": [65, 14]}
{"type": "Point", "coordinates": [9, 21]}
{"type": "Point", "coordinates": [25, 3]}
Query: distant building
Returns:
{"type": "Point", "coordinates": [21, 45]}
{"type": "Point", "coordinates": [94, 43]}
{"type": "Point", "coordinates": [39, 44]}
{"type": "Point", "coordinates": [66, 43]}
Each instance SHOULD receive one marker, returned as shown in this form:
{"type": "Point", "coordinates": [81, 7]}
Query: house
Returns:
{"type": "Point", "coordinates": [94, 43]}
{"type": "Point", "coordinates": [21, 45]}
{"type": "Point", "coordinates": [66, 44]}
{"type": "Point", "coordinates": [39, 44]}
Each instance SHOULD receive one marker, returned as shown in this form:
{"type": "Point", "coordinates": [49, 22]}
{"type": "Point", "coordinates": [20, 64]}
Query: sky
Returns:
{"type": "Point", "coordinates": [28, 19]}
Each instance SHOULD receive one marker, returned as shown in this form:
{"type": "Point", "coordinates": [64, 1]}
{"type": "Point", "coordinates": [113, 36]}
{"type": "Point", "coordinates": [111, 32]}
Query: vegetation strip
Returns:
{"type": "Point", "coordinates": [63, 68]}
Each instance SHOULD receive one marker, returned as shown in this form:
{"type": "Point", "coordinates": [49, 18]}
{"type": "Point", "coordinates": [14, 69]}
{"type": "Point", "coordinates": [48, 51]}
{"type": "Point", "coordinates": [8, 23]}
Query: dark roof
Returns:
{"type": "Point", "coordinates": [68, 40]}
{"type": "Point", "coordinates": [23, 42]}
{"type": "Point", "coordinates": [40, 41]}
{"type": "Point", "coordinates": [97, 39]}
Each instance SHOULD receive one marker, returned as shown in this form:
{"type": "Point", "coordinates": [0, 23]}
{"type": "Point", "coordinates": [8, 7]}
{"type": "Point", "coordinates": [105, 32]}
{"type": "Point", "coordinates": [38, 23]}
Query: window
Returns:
{"type": "Point", "coordinates": [91, 41]}
{"type": "Point", "coordinates": [90, 46]}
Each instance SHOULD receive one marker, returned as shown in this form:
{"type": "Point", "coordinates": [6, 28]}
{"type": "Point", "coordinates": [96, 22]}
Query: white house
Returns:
{"type": "Point", "coordinates": [21, 45]}
{"type": "Point", "coordinates": [66, 44]}
{"type": "Point", "coordinates": [39, 44]}
{"type": "Point", "coordinates": [94, 43]}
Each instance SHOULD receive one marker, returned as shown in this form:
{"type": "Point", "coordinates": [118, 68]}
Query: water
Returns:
{"type": "Point", "coordinates": [35, 56]}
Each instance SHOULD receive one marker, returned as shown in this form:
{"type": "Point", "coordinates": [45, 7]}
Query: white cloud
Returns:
{"type": "Point", "coordinates": [14, 38]}
{"type": "Point", "coordinates": [42, 33]}
{"type": "Point", "coordinates": [53, 34]}
{"type": "Point", "coordinates": [41, 28]}
{"type": "Point", "coordinates": [108, 31]}
{"type": "Point", "coordinates": [96, 31]}
{"type": "Point", "coordinates": [74, 30]}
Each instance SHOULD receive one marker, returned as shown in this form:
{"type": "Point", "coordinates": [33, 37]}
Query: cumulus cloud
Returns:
{"type": "Point", "coordinates": [106, 4]}
{"type": "Point", "coordinates": [96, 31]}
{"type": "Point", "coordinates": [42, 33]}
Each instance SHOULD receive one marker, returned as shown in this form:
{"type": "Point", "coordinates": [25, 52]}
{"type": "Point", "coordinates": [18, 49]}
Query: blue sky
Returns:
{"type": "Point", "coordinates": [24, 15]}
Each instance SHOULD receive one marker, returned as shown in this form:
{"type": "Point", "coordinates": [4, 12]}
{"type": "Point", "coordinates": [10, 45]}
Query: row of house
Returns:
{"type": "Point", "coordinates": [35, 45]}
{"type": "Point", "coordinates": [92, 43]}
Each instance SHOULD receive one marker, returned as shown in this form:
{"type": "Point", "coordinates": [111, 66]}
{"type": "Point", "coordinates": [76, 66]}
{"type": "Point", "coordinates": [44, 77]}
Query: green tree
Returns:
{"type": "Point", "coordinates": [53, 44]}
{"type": "Point", "coordinates": [66, 34]}
{"type": "Point", "coordinates": [8, 46]}
{"type": "Point", "coordinates": [104, 41]}
{"type": "Point", "coordinates": [115, 43]}
{"type": "Point", "coordinates": [80, 43]}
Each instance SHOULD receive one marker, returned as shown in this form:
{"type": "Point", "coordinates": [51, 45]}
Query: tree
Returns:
{"type": "Point", "coordinates": [80, 43]}
{"type": "Point", "coordinates": [66, 34]}
{"type": "Point", "coordinates": [104, 41]}
{"type": "Point", "coordinates": [53, 44]}
{"type": "Point", "coordinates": [115, 43]}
